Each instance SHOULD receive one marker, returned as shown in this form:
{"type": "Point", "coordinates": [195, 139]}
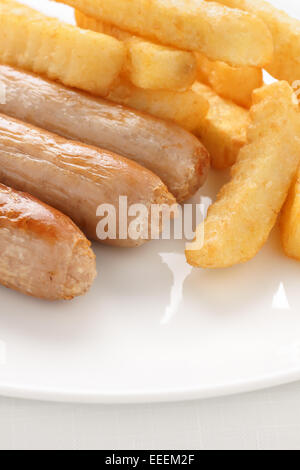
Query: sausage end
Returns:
{"type": "Point", "coordinates": [81, 272]}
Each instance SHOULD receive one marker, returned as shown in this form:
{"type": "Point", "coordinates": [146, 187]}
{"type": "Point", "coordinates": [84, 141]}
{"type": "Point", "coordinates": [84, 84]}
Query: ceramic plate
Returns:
{"type": "Point", "coordinates": [154, 329]}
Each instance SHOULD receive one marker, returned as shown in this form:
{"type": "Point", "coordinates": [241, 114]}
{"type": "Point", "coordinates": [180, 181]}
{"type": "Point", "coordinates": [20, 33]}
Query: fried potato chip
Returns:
{"type": "Point", "coordinates": [239, 223]}
{"type": "Point", "coordinates": [219, 32]}
{"type": "Point", "coordinates": [290, 222]}
{"type": "Point", "coordinates": [232, 83]}
{"type": "Point", "coordinates": [75, 57]}
{"type": "Point", "coordinates": [224, 129]}
{"type": "Point", "coordinates": [188, 109]}
{"type": "Point", "coordinates": [148, 65]}
{"type": "Point", "coordinates": [286, 37]}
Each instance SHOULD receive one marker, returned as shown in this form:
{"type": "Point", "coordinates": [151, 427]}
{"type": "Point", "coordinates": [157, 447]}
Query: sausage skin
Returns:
{"type": "Point", "coordinates": [43, 253]}
{"type": "Point", "coordinates": [175, 155]}
{"type": "Point", "coordinates": [75, 178]}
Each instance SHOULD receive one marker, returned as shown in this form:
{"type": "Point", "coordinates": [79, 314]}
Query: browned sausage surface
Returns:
{"type": "Point", "coordinates": [75, 178]}
{"type": "Point", "coordinates": [174, 154]}
{"type": "Point", "coordinates": [43, 254]}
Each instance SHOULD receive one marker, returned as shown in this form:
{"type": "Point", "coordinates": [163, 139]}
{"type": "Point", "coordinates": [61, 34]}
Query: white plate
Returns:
{"type": "Point", "coordinates": [153, 329]}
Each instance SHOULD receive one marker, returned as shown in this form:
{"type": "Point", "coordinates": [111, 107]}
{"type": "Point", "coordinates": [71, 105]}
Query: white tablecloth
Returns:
{"type": "Point", "coordinates": [267, 420]}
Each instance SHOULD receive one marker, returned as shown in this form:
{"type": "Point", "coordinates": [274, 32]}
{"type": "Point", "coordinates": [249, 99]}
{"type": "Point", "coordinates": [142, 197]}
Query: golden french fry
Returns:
{"type": "Point", "coordinates": [224, 129]}
{"type": "Point", "coordinates": [239, 223]}
{"type": "Point", "coordinates": [290, 222]}
{"type": "Point", "coordinates": [219, 32]}
{"type": "Point", "coordinates": [232, 83]}
{"type": "Point", "coordinates": [187, 109]}
{"type": "Point", "coordinates": [75, 57]}
{"type": "Point", "coordinates": [148, 65]}
{"type": "Point", "coordinates": [286, 37]}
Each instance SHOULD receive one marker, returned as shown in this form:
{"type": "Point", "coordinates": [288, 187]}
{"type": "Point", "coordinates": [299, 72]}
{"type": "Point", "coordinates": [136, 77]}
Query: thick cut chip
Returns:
{"type": "Point", "coordinates": [221, 33]}
{"type": "Point", "coordinates": [148, 65]}
{"type": "Point", "coordinates": [240, 222]}
{"type": "Point", "coordinates": [232, 83]}
{"type": "Point", "coordinates": [286, 37]}
{"type": "Point", "coordinates": [290, 222]}
{"type": "Point", "coordinates": [73, 56]}
{"type": "Point", "coordinates": [188, 109]}
{"type": "Point", "coordinates": [224, 130]}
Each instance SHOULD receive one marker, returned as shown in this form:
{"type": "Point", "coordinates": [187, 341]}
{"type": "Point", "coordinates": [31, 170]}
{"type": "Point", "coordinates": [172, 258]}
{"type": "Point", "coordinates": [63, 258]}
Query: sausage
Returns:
{"type": "Point", "coordinates": [175, 155]}
{"type": "Point", "coordinates": [75, 178]}
{"type": "Point", "coordinates": [43, 253]}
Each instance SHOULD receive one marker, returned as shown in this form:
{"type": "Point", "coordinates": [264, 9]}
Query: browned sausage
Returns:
{"type": "Point", "coordinates": [73, 177]}
{"type": "Point", "coordinates": [174, 154]}
{"type": "Point", "coordinates": [43, 254]}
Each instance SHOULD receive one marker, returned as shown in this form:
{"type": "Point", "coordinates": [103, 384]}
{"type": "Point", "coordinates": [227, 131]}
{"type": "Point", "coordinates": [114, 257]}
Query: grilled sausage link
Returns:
{"type": "Point", "coordinates": [175, 155]}
{"type": "Point", "coordinates": [75, 178]}
{"type": "Point", "coordinates": [43, 254]}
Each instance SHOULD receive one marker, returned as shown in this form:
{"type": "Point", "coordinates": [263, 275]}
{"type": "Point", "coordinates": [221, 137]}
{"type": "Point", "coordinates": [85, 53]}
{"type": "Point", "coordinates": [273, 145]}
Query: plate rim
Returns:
{"type": "Point", "coordinates": [55, 395]}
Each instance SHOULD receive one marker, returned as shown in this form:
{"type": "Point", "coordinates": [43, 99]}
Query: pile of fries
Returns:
{"type": "Point", "coordinates": [200, 65]}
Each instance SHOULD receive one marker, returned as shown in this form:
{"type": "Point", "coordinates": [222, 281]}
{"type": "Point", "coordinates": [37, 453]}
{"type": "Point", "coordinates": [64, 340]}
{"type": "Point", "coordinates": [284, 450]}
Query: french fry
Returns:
{"type": "Point", "coordinates": [148, 65]}
{"type": "Point", "coordinates": [232, 83]}
{"type": "Point", "coordinates": [62, 52]}
{"type": "Point", "coordinates": [224, 129]}
{"type": "Point", "coordinates": [219, 32]}
{"type": "Point", "coordinates": [188, 109]}
{"type": "Point", "coordinates": [240, 222]}
{"type": "Point", "coordinates": [286, 37]}
{"type": "Point", "coordinates": [290, 222]}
